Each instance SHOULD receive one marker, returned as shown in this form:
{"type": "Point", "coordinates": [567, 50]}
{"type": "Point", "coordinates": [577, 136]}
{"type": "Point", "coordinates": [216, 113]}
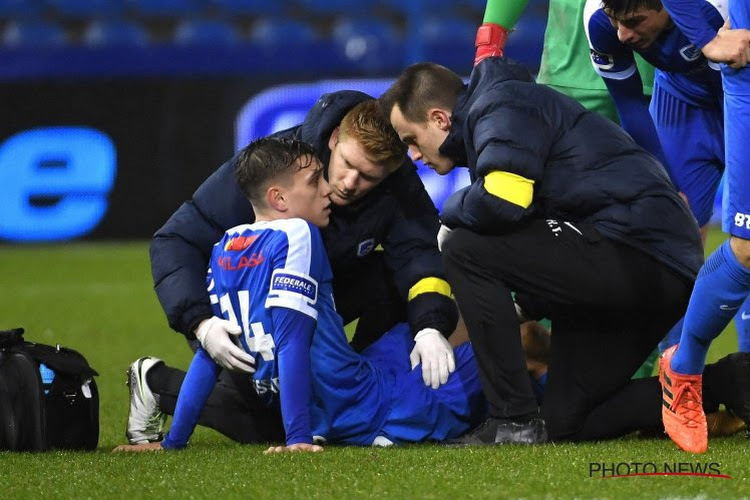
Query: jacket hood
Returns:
{"type": "Point", "coordinates": [325, 116]}
{"type": "Point", "coordinates": [488, 74]}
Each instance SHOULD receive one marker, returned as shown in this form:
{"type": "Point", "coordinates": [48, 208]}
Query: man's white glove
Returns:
{"type": "Point", "coordinates": [436, 355]}
{"type": "Point", "coordinates": [213, 334]}
{"type": "Point", "coordinates": [442, 234]}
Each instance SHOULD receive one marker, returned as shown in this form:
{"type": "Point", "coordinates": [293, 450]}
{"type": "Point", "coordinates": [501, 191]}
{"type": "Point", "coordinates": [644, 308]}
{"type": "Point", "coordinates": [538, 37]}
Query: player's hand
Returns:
{"type": "Point", "coordinates": [729, 46]}
{"type": "Point", "coordinates": [311, 448]}
{"type": "Point", "coordinates": [214, 335]}
{"type": "Point", "coordinates": [136, 448]}
{"type": "Point", "coordinates": [436, 356]}
{"type": "Point", "coordinates": [442, 234]}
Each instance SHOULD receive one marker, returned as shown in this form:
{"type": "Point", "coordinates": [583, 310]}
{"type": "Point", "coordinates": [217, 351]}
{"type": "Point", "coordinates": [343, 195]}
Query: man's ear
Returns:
{"type": "Point", "coordinates": [440, 117]}
{"type": "Point", "coordinates": [275, 199]}
{"type": "Point", "coordinates": [333, 139]}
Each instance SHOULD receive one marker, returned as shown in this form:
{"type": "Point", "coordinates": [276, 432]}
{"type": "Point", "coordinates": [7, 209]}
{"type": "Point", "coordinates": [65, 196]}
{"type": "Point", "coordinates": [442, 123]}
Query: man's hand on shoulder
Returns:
{"type": "Point", "coordinates": [214, 335]}
{"type": "Point", "coordinates": [731, 46]}
{"type": "Point", "coordinates": [432, 349]}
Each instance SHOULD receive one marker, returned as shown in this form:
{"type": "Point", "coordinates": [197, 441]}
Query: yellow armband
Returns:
{"type": "Point", "coordinates": [510, 187]}
{"type": "Point", "coordinates": [430, 285]}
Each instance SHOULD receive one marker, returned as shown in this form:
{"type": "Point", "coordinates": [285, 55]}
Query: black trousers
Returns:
{"type": "Point", "coordinates": [233, 408]}
{"type": "Point", "coordinates": [610, 304]}
{"type": "Point", "coordinates": [370, 294]}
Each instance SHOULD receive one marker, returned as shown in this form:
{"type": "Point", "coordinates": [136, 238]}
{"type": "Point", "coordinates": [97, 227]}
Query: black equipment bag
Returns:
{"type": "Point", "coordinates": [48, 397]}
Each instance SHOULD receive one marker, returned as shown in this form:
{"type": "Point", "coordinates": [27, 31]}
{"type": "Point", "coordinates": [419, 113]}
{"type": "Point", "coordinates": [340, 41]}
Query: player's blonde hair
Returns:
{"type": "Point", "coordinates": [367, 124]}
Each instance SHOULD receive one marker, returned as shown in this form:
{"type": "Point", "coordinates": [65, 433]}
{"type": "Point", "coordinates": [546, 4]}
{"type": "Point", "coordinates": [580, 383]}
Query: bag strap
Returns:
{"type": "Point", "coordinates": [11, 338]}
{"type": "Point", "coordinates": [60, 359]}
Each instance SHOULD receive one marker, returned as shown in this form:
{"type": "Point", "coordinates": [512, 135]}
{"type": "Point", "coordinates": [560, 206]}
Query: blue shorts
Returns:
{"type": "Point", "coordinates": [736, 201]}
{"type": "Point", "coordinates": [418, 412]}
{"type": "Point", "coordinates": [692, 138]}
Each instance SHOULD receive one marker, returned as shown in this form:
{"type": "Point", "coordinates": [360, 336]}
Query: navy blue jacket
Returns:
{"type": "Point", "coordinates": [398, 214]}
{"type": "Point", "coordinates": [584, 167]}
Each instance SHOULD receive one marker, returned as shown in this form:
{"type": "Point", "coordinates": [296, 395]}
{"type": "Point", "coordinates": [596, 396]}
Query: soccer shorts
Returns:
{"type": "Point", "coordinates": [418, 412]}
{"type": "Point", "coordinates": [693, 142]}
{"type": "Point", "coordinates": [736, 201]}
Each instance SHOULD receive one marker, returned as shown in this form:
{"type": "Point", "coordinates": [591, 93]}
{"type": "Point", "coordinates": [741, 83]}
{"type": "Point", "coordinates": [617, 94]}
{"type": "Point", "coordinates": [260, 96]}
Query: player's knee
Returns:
{"type": "Point", "coordinates": [741, 250]}
{"type": "Point", "coordinates": [454, 249]}
{"type": "Point", "coordinates": [564, 421]}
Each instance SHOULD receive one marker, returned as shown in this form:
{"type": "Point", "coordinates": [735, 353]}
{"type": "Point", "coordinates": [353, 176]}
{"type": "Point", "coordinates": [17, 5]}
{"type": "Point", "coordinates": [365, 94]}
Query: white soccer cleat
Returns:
{"type": "Point", "coordinates": [145, 419]}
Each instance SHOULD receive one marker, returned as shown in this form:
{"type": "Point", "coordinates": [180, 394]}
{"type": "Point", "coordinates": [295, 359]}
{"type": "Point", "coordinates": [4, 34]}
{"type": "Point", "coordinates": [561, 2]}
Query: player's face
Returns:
{"type": "Point", "coordinates": [640, 28]}
{"type": "Point", "coordinates": [308, 196]}
{"type": "Point", "coordinates": [424, 140]}
{"type": "Point", "coordinates": [350, 174]}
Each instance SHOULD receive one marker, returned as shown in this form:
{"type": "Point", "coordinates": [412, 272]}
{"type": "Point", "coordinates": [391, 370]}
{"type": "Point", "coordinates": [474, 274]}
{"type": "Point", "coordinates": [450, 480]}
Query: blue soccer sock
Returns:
{"type": "Point", "coordinates": [673, 336]}
{"type": "Point", "coordinates": [721, 288]}
{"type": "Point", "coordinates": [742, 322]}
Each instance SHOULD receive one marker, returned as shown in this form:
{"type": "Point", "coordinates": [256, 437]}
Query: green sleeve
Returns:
{"type": "Point", "coordinates": [504, 12]}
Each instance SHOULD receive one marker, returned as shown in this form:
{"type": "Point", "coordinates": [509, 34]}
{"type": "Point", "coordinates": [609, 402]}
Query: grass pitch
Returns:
{"type": "Point", "coordinates": [97, 298]}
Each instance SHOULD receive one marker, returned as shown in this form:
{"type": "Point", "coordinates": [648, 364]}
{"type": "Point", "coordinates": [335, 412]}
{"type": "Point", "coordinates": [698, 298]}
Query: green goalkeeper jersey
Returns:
{"type": "Point", "coordinates": [565, 58]}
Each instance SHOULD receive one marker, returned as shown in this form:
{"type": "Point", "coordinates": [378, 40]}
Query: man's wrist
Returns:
{"type": "Point", "coordinates": [424, 332]}
{"type": "Point", "coordinates": [196, 324]}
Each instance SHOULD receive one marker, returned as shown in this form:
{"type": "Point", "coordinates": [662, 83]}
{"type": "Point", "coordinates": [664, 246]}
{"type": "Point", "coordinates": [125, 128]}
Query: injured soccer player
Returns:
{"type": "Point", "coordinates": [274, 280]}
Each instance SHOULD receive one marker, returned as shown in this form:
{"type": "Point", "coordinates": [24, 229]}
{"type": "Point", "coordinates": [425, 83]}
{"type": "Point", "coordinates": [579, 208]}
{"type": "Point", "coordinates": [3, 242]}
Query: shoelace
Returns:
{"type": "Point", "coordinates": [690, 409]}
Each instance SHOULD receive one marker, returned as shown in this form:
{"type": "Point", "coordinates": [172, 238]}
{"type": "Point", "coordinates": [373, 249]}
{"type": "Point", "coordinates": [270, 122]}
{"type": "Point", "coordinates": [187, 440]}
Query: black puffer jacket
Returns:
{"type": "Point", "coordinates": [398, 214]}
{"type": "Point", "coordinates": [584, 168]}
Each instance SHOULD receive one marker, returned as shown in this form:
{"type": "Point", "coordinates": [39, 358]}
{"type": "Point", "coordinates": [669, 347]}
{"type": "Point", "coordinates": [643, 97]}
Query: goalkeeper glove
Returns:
{"type": "Point", "coordinates": [490, 41]}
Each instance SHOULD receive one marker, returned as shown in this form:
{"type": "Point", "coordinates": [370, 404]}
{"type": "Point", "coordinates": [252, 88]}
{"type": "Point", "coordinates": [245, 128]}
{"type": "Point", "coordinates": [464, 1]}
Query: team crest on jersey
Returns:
{"type": "Point", "coordinates": [288, 281]}
{"type": "Point", "coordinates": [239, 243]}
{"type": "Point", "coordinates": [602, 61]}
{"type": "Point", "coordinates": [365, 247]}
{"type": "Point", "coordinates": [690, 52]}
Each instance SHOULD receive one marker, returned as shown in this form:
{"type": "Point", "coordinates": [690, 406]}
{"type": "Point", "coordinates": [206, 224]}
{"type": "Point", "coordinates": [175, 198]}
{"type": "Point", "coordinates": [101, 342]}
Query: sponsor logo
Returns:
{"type": "Point", "coordinates": [726, 307]}
{"type": "Point", "coordinates": [744, 316]}
{"type": "Point", "coordinates": [602, 61]}
{"type": "Point", "coordinates": [365, 247]}
{"type": "Point", "coordinates": [55, 182]}
{"type": "Point", "coordinates": [254, 260]}
{"type": "Point", "coordinates": [239, 243]}
{"type": "Point", "coordinates": [287, 282]}
{"type": "Point", "coordinates": [690, 52]}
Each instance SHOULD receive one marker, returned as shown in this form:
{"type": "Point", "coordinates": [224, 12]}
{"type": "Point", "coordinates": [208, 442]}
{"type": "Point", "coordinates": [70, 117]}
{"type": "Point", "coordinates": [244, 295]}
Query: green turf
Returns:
{"type": "Point", "coordinates": [97, 298]}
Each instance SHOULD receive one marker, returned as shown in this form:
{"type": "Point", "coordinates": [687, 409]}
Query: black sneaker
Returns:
{"type": "Point", "coordinates": [533, 431]}
{"type": "Point", "coordinates": [502, 430]}
{"type": "Point", "coordinates": [735, 378]}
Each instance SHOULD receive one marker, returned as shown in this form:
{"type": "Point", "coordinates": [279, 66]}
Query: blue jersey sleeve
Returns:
{"type": "Point", "coordinates": [196, 388]}
{"type": "Point", "coordinates": [611, 58]}
{"type": "Point", "coordinates": [632, 109]}
{"type": "Point", "coordinates": [293, 333]}
{"type": "Point", "coordinates": [299, 268]}
{"type": "Point", "coordinates": [690, 17]}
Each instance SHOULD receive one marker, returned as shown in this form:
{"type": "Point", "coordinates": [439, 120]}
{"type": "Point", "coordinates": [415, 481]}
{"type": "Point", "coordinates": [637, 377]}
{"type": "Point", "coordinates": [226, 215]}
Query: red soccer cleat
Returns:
{"type": "Point", "coordinates": [682, 406]}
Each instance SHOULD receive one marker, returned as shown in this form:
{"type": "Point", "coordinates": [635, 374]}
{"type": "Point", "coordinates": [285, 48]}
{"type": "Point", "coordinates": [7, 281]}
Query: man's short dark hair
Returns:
{"type": "Point", "coordinates": [420, 87]}
{"type": "Point", "coordinates": [269, 159]}
{"type": "Point", "coordinates": [619, 8]}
